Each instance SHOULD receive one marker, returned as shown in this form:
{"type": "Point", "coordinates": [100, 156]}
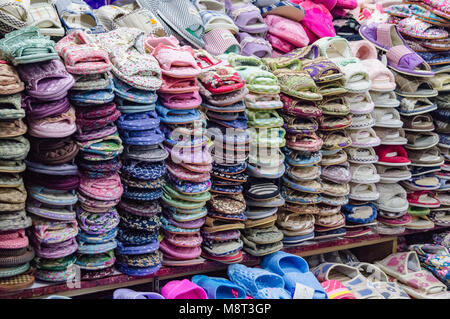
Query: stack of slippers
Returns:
{"type": "Point", "coordinates": [425, 30]}
{"type": "Point", "coordinates": [15, 250]}
{"type": "Point", "coordinates": [301, 186]}
{"type": "Point", "coordinates": [142, 168]}
{"type": "Point", "coordinates": [251, 28]}
{"type": "Point", "coordinates": [260, 236]}
{"type": "Point", "coordinates": [99, 144]}
{"type": "Point", "coordinates": [440, 215]}
{"type": "Point", "coordinates": [50, 168]}
{"type": "Point", "coordinates": [220, 29]}
{"type": "Point", "coordinates": [187, 186]}
{"type": "Point", "coordinates": [284, 30]}
{"type": "Point", "coordinates": [142, 175]}
{"type": "Point", "coordinates": [402, 122]}
{"type": "Point", "coordinates": [229, 142]}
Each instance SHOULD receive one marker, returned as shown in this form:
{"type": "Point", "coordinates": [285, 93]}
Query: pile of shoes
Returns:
{"type": "Point", "coordinates": [226, 130]}
{"type": "Point", "coordinates": [15, 250]}
{"type": "Point", "coordinates": [99, 143]}
{"type": "Point", "coordinates": [188, 180]}
{"type": "Point", "coordinates": [51, 176]}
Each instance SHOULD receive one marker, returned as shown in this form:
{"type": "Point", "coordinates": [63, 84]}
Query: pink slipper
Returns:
{"type": "Point", "coordinates": [181, 101]}
{"type": "Point", "coordinates": [179, 253]}
{"type": "Point", "coordinates": [287, 30]}
{"type": "Point", "coordinates": [381, 77]}
{"type": "Point", "coordinates": [319, 21]}
{"type": "Point", "coordinates": [194, 155]}
{"type": "Point", "coordinates": [279, 44]}
{"type": "Point", "coordinates": [183, 289]}
{"type": "Point", "coordinates": [175, 86]}
{"type": "Point", "coordinates": [107, 188]}
{"type": "Point", "coordinates": [14, 239]}
{"type": "Point", "coordinates": [179, 240]}
{"type": "Point", "coordinates": [177, 62]}
{"type": "Point", "coordinates": [186, 175]}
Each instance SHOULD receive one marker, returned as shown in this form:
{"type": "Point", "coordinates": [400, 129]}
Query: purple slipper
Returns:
{"type": "Point", "coordinates": [37, 109]}
{"type": "Point", "coordinates": [400, 56]}
{"type": "Point", "coordinates": [47, 81]}
{"type": "Point", "coordinates": [66, 183]}
{"type": "Point", "coordinates": [254, 46]}
{"type": "Point", "coordinates": [246, 16]}
{"type": "Point", "coordinates": [60, 170]}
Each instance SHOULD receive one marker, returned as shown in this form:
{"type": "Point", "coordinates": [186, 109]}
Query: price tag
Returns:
{"type": "Point", "coordinates": [303, 292]}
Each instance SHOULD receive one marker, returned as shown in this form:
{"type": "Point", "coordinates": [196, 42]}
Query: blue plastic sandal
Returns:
{"type": "Point", "coordinates": [293, 269]}
{"type": "Point", "coordinates": [258, 283]}
{"type": "Point", "coordinates": [219, 288]}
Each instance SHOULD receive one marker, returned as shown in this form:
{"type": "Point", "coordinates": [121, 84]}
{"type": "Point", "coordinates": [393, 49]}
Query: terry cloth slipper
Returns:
{"type": "Point", "coordinates": [384, 99]}
{"type": "Point", "coordinates": [392, 198]}
{"type": "Point", "coordinates": [423, 199]}
{"type": "Point", "coordinates": [414, 106]}
{"type": "Point", "coordinates": [382, 79]}
{"type": "Point", "coordinates": [293, 269]}
{"type": "Point", "coordinates": [399, 56]}
{"type": "Point", "coordinates": [258, 283]}
{"type": "Point", "coordinates": [350, 277]}
{"type": "Point", "coordinates": [417, 282]}
{"type": "Point", "coordinates": [387, 117]}
{"type": "Point", "coordinates": [392, 155]}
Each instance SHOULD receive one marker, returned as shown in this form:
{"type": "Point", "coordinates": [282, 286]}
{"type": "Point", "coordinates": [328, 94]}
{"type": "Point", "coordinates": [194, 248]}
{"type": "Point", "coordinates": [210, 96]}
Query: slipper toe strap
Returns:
{"type": "Point", "coordinates": [405, 58]}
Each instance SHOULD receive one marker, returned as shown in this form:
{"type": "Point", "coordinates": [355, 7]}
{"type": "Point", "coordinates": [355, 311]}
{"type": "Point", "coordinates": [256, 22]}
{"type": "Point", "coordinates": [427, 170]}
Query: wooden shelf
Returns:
{"type": "Point", "coordinates": [118, 280]}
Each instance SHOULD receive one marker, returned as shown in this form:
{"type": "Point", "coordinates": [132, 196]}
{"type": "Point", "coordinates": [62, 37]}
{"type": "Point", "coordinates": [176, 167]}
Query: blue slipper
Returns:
{"type": "Point", "coordinates": [90, 249]}
{"type": "Point", "coordinates": [147, 137]}
{"type": "Point", "coordinates": [92, 97]}
{"type": "Point", "coordinates": [96, 239]}
{"type": "Point", "coordinates": [125, 106]}
{"type": "Point", "coordinates": [258, 283]}
{"type": "Point", "coordinates": [171, 116]}
{"type": "Point", "coordinates": [297, 159]}
{"type": "Point", "coordinates": [293, 269]}
{"type": "Point", "coordinates": [138, 121]}
{"type": "Point", "coordinates": [138, 272]}
{"type": "Point", "coordinates": [129, 93]}
{"type": "Point", "coordinates": [139, 249]}
{"type": "Point", "coordinates": [295, 240]}
{"type": "Point", "coordinates": [350, 212]}
{"type": "Point", "coordinates": [219, 288]}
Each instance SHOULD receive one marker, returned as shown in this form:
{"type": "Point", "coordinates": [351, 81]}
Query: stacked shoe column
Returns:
{"type": "Point", "coordinates": [440, 216]}
{"type": "Point", "coordinates": [15, 251]}
{"type": "Point", "coordinates": [100, 145]}
{"type": "Point", "coordinates": [261, 236]}
{"type": "Point", "coordinates": [51, 174]}
{"type": "Point", "coordinates": [227, 124]}
{"type": "Point", "coordinates": [189, 163]}
{"type": "Point", "coordinates": [142, 174]}
{"type": "Point", "coordinates": [421, 147]}
{"type": "Point", "coordinates": [392, 204]}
